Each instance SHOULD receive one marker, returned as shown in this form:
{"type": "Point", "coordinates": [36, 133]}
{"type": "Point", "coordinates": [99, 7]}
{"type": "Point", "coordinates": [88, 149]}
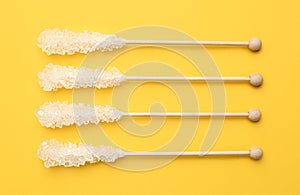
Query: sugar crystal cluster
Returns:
{"type": "Point", "coordinates": [53, 77]}
{"type": "Point", "coordinates": [57, 41]}
{"type": "Point", "coordinates": [59, 114]}
{"type": "Point", "coordinates": [55, 153]}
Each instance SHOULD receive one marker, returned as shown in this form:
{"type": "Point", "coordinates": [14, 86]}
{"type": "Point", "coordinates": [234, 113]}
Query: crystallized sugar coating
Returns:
{"type": "Point", "coordinates": [57, 114]}
{"type": "Point", "coordinates": [56, 41]}
{"type": "Point", "coordinates": [54, 77]}
{"type": "Point", "coordinates": [55, 153]}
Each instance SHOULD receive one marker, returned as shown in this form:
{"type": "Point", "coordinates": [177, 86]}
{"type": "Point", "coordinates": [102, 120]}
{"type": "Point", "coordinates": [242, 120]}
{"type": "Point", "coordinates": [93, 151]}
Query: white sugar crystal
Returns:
{"type": "Point", "coordinates": [57, 114]}
{"type": "Point", "coordinates": [56, 41]}
{"type": "Point", "coordinates": [54, 77]}
{"type": "Point", "coordinates": [55, 153]}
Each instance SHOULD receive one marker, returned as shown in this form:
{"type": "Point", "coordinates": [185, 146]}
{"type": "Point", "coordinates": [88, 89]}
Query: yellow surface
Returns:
{"type": "Point", "coordinates": [275, 22]}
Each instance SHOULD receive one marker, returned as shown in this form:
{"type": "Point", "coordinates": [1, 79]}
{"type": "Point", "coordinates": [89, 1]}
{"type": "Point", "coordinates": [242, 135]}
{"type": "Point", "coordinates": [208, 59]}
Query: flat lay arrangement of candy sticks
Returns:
{"type": "Point", "coordinates": [59, 114]}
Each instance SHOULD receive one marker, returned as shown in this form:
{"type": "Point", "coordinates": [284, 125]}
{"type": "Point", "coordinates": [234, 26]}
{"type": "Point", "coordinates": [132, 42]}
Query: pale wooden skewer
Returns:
{"type": "Point", "coordinates": [254, 153]}
{"type": "Point", "coordinates": [253, 114]}
{"type": "Point", "coordinates": [253, 44]}
{"type": "Point", "coordinates": [254, 79]}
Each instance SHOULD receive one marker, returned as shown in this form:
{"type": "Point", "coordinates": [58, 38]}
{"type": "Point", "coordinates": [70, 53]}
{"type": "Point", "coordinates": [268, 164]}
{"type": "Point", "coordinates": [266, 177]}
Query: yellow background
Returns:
{"type": "Point", "coordinates": [275, 22]}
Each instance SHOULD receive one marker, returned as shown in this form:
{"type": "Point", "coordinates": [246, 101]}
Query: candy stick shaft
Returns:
{"type": "Point", "coordinates": [212, 153]}
{"type": "Point", "coordinates": [171, 42]}
{"type": "Point", "coordinates": [160, 78]}
{"type": "Point", "coordinates": [186, 114]}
